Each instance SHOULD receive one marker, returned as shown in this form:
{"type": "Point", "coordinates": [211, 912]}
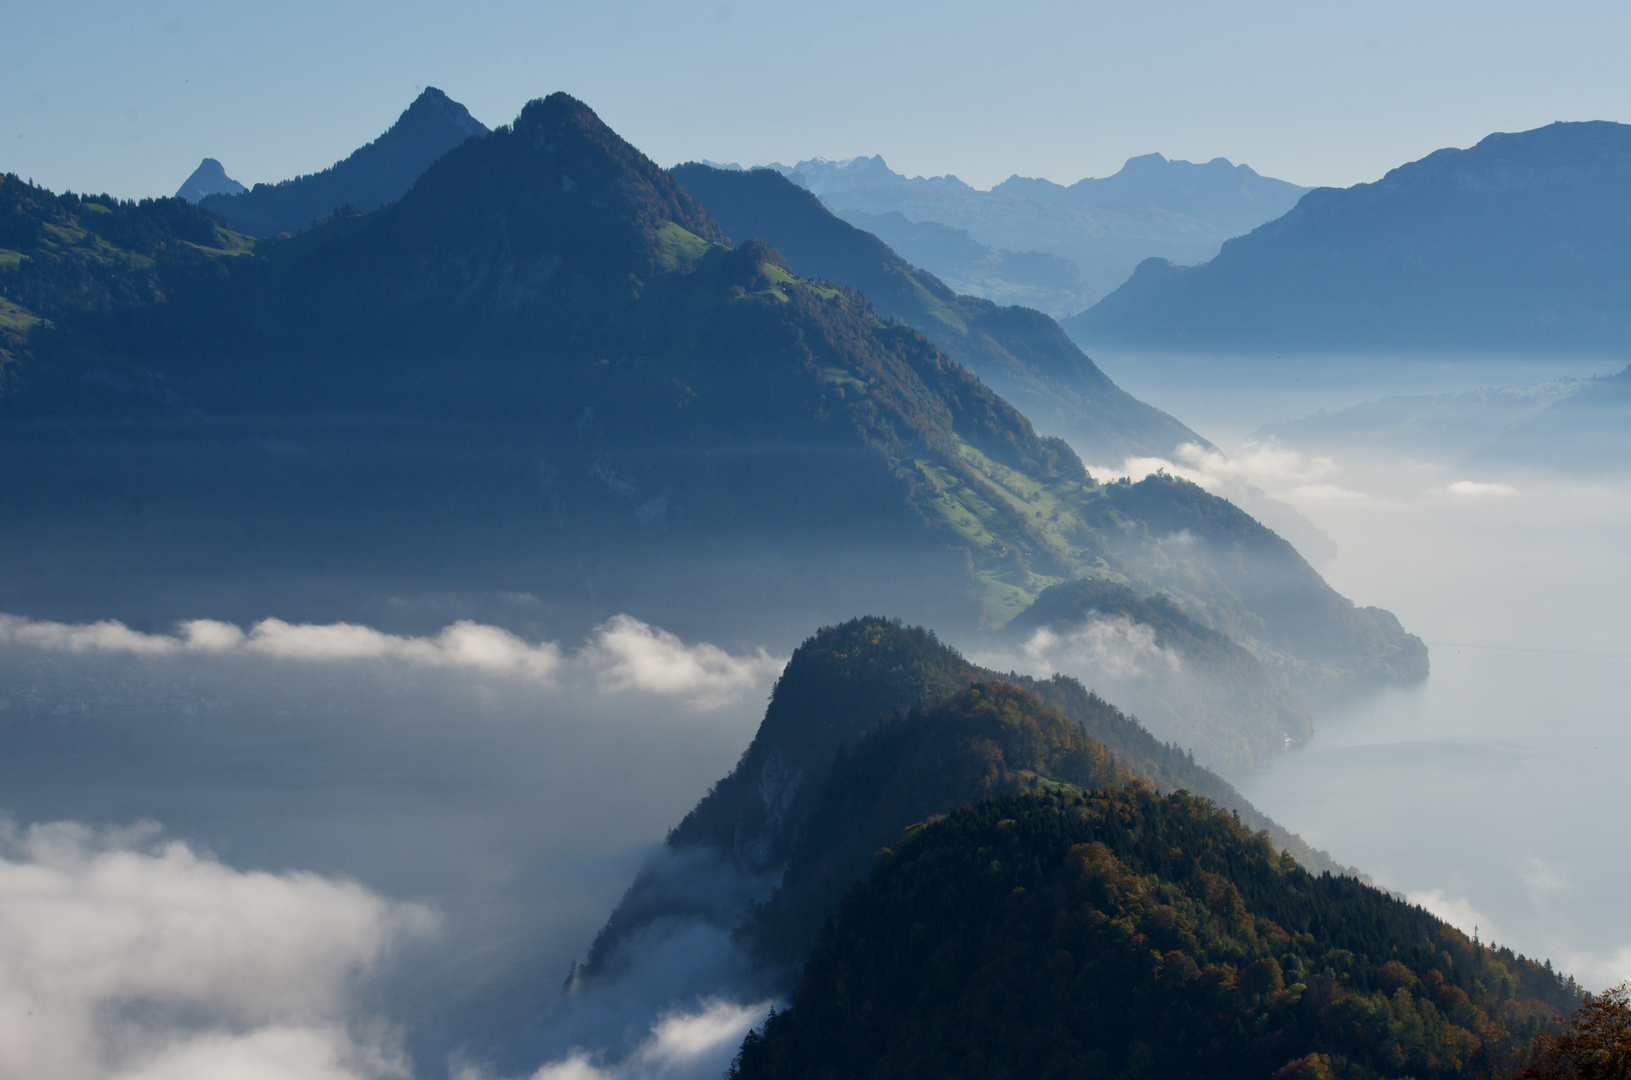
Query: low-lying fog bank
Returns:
{"type": "Point", "coordinates": [1488, 793]}
{"type": "Point", "coordinates": [323, 851]}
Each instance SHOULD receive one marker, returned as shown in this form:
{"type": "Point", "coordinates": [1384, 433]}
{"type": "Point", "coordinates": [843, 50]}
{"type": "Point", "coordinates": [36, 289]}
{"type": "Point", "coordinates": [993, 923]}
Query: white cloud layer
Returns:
{"type": "Point", "coordinates": [1117, 648]}
{"type": "Point", "coordinates": [1599, 971]}
{"type": "Point", "coordinates": [1266, 466]}
{"type": "Point", "coordinates": [680, 1046]}
{"type": "Point", "coordinates": [129, 957]}
{"type": "Point", "coordinates": [621, 655]}
{"type": "Point", "coordinates": [1455, 910]}
{"type": "Point", "coordinates": [627, 654]}
{"type": "Point", "coordinates": [1473, 489]}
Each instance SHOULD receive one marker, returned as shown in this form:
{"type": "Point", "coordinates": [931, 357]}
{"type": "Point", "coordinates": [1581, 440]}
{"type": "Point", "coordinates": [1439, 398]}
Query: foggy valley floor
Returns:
{"type": "Point", "coordinates": [1486, 793]}
{"type": "Point", "coordinates": [516, 811]}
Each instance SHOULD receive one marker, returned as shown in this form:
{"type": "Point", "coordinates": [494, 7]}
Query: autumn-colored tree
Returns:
{"type": "Point", "coordinates": [1596, 1045]}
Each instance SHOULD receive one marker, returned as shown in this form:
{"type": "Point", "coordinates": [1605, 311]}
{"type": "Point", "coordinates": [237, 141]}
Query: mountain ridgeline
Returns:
{"type": "Point", "coordinates": [1194, 687]}
{"type": "Point", "coordinates": [1020, 353]}
{"type": "Point", "coordinates": [1123, 934]}
{"type": "Point", "coordinates": [985, 874]}
{"type": "Point", "coordinates": [543, 372]}
{"type": "Point", "coordinates": [370, 177]}
{"type": "Point", "coordinates": [1518, 244]}
{"type": "Point", "coordinates": [872, 726]}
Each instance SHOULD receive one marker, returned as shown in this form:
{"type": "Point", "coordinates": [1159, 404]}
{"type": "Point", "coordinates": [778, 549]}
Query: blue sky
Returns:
{"type": "Point", "coordinates": [127, 97]}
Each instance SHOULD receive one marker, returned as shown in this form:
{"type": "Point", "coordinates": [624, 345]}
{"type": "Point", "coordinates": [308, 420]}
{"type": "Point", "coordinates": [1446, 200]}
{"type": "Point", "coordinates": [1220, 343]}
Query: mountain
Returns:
{"type": "Point", "coordinates": [1032, 279]}
{"type": "Point", "coordinates": [209, 179]}
{"type": "Point", "coordinates": [871, 727]}
{"type": "Point", "coordinates": [372, 176]}
{"type": "Point", "coordinates": [1152, 207]}
{"type": "Point", "coordinates": [1190, 685]}
{"type": "Point", "coordinates": [1022, 354]}
{"type": "Point", "coordinates": [541, 373]}
{"type": "Point", "coordinates": [1119, 933]}
{"type": "Point", "coordinates": [1518, 244]}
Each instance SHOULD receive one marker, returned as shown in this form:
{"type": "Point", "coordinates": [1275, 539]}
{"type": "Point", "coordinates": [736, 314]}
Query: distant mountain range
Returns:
{"type": "Point", "coordinates": [370, 177]}
{"type": "Point", "coordinates": [1152, 207]}
{"type": "Point", "coordinates": [210, 178]}
{"type": "Point", "coordinates": [542, 372]}
{"type": "Point", "coordinates": [1020, 353]}
{"type": "Point", "coordinates": [1520, 244]}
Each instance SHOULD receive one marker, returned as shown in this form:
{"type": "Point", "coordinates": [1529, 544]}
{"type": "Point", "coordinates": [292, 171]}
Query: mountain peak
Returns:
{"type": "Point", "coordinates": [371, 176]}
{"type": "Point", "coordinates": [431, 102]}
{"type": "Point", "coordinates": [210, 178]}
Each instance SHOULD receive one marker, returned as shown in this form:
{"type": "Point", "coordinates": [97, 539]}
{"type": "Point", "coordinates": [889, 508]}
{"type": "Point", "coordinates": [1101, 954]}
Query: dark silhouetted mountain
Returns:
{"type": "Point", "coordinates": [541, 372]}
{"type": "Point", "coordinates": [1189, 684]}
{"type": "Point", "coordinates": [874, 726]}
{"type": "Point", "coordinates": [1022, 354]}
{"type": "Point", "coordinates": [1120, 933]}
{"type": "Point", "coordinates": [1520, 244]}
{"type": "Point", "coordinates": [372, 176]}
{"type": "Point", "coordinates": [209, 179]}
{"type": "Point", "coordinates": [1153, 207]}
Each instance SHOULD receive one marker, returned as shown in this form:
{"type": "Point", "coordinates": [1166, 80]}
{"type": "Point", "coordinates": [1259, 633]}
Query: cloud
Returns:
{"type": "Point", "coordinates": [1472, 489]}
{"type": "Point", "coordinates": [680, 1046]}
{"type": "Point", "coordinates": [135, 957]}
{"type": "Point", "coordinates": [622, 654]}
{"type": "Point", "coordinates": [1457, 911]}
{"type": "Point", "coordinates": [626, 654]}
{"type": "Point", "coordinates": [1266, 465]}
{"type": "Point", "coordinates": [1105, 648]}
{"type": "Point", "coordinates": [1263, 479]}
{"type": "Point", "coordinates": [1118, 648]}
{"type": "Point", "coordinates": [1541, 878]}
{"type": "Point", "coordinates": [1598, 971]}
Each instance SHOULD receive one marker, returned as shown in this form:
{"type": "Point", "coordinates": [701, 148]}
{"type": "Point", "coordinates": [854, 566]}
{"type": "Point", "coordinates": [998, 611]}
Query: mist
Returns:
{"type": "Point", "coordinates": [362, 854]}
{"type": "Point", "coordinates": [1488, 793]}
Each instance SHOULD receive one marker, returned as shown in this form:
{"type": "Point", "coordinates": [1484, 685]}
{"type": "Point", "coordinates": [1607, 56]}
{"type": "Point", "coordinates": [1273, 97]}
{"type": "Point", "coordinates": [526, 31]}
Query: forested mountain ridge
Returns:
{"type": "Point", "coordinates": [1020, 353]}
{"type": "Point", "coordinates": [1517, 244]}
{"type": "Point", "coordinates": [874, 725]}
{"type": "Point", "coordinates": [1120, 933]}
{"type": "Point", "coordinates": [542, 371]}
{"type": "Point", "coordinates": [371, 176]}
{"type": "Point", "coordinates": [1210, 694]}
{"type": "Point", "coordinates": [67, 258]}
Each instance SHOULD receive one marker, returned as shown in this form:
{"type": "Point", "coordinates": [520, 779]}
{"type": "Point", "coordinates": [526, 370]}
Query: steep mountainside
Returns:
{"type": "Point", "coordinates": [1153, 207]}
{"type": "Point", "coordinates": [1020, 353]}
{"type": "Point", "coordinates": [1187, 683]}
{"type": "Point", "coordinates": [373, 175]}
{"type": "Point", "coordinates": [1518, 244]}
{"type": "Point", "coordinates": [71, 258]}
{"type": "Point", "coordinates": [208, 179]}
{"type": "Point", "coordinates": [1124, 934]}
{"type": "Point", "coordinates": [871, 727]}
{"type": "Point", "coordinates": [541, 373]}
{"type": "Point", "coordinates": [1033, 279]}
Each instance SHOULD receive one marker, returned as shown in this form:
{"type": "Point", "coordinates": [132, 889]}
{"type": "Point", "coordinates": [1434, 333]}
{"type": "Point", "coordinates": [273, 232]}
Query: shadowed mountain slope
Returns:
{"type": "Point", "coordinates": [1518, 244]}
{"type": "Point", "coordinates": [542, 373]}
{"type": "Point", "coordinates": [1190, 684]}
{"type": "Point", "coordinates": [1119, 933]}
{"type": "Point", "coordinates": [1020, 353]}
{"type": "Point", "coordinates": [371, 176]}
{"type": "Point", "coordinates": [873, 726]}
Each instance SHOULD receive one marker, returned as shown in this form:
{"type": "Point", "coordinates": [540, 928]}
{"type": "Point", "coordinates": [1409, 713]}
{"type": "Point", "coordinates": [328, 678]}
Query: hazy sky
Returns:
{"type": "Point", "coordinates": [127, 97]}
